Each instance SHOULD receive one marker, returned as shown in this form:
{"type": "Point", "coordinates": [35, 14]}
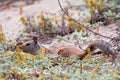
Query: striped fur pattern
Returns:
{"type": "Point", "coordinates": [31, 47]}
{"type": "Point", "coordinates": [105, 47]}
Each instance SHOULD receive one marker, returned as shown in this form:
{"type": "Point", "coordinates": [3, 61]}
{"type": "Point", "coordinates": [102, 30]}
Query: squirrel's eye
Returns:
{"type": "Point", "coordinates": [27, 44]}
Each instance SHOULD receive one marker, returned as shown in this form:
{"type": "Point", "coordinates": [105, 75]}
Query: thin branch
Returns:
{"type": "Point", "coordinates": [5, 4]}
{"type": "Point", "coordinates": [66, 13]}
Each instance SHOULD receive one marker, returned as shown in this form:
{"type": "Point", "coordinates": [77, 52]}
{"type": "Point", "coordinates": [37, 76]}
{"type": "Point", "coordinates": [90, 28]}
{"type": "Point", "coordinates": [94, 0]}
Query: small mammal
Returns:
{"type": "Point", "coordinates": [31, 47]}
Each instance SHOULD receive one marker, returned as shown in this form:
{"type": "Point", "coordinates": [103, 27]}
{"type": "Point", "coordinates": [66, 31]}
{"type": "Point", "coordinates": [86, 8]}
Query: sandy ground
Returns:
{"type": "Point", "coordinates": [10, 18]}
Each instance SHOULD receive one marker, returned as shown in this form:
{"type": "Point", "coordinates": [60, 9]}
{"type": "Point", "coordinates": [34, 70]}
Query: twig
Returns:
{"type": "Point", "coordinates": [5, 4]}
{"type": "Point", "coordinates": [82, 24]}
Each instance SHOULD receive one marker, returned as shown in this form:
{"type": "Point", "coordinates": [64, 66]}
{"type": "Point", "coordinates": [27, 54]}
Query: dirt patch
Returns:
{"type": "Point", "coordinates": [10, 18]}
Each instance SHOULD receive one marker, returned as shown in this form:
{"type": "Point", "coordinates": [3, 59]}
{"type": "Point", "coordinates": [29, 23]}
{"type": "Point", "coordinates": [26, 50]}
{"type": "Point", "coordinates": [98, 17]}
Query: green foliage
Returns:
{"type": "Point", "coordinates": [54, 67]}
{"type": "Point", "coordinates": [113, 9]}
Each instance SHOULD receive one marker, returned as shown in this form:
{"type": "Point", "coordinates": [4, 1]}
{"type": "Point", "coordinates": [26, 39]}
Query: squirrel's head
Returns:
{"type": "Point", "coordinates": [30, 46]}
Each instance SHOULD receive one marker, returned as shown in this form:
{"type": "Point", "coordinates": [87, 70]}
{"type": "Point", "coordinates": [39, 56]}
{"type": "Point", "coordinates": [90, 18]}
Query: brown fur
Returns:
{"type": "Point", "coordinates": [31, 46]}
{"type": "Point", "coordinates": [105, 47]}
{"type": "Point", "coordinates": [70, 51]}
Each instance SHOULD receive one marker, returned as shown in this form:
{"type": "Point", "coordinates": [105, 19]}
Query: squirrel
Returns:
{"type": "Point", "coordinates": [31, 47]}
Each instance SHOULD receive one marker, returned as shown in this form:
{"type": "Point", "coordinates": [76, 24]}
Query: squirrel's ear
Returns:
{"type": "Point", "coordinates": [19, 43]}
{"type": "Point", "coordinates": [35, 39]}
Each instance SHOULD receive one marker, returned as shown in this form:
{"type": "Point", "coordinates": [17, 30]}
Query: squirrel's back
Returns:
{"type": "Point", "coordinates": [103, 46]}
